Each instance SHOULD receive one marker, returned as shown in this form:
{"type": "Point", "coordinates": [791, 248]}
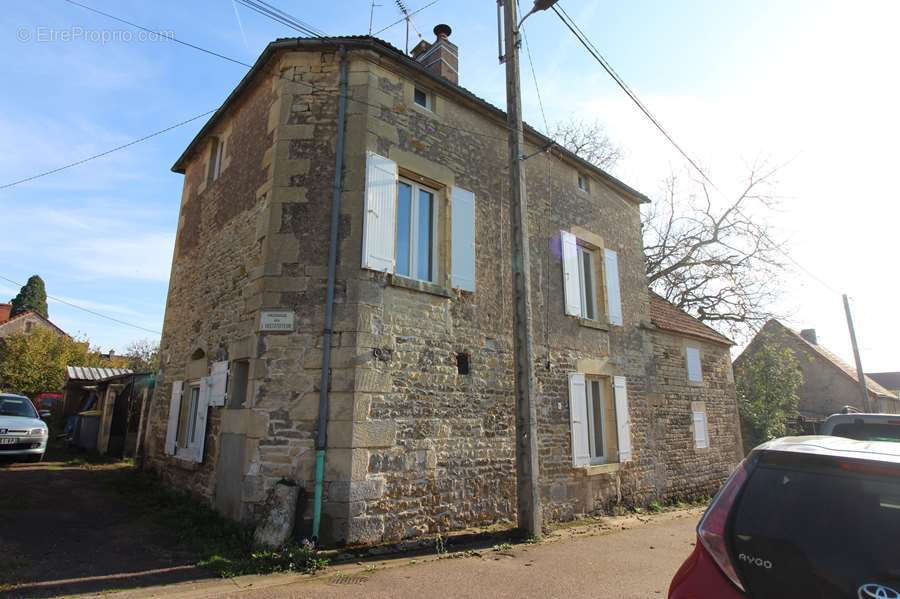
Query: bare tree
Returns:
{"type": "Point", "coordinates": [716, 259]}
{"type": "Point", "coordinates": [588, 141]}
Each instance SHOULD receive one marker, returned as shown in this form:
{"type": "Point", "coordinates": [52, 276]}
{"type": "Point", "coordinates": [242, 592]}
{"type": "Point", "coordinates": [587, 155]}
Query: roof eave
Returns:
{"type": "Point", "coordinates": [386, 49]}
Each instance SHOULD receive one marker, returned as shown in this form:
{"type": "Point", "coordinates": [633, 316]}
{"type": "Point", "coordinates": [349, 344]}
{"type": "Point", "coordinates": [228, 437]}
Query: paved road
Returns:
{"type": "Point", "coordinates": [636, 563]}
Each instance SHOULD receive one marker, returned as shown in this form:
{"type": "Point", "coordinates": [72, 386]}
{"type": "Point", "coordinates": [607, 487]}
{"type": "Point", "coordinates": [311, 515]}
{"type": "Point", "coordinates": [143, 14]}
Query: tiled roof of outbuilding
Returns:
{"type": "Point", "coordinates": [665, 315]}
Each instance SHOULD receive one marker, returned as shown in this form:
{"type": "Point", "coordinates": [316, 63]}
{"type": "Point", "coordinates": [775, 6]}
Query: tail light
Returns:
{"type": "Point", "coordinates": [712, 528]}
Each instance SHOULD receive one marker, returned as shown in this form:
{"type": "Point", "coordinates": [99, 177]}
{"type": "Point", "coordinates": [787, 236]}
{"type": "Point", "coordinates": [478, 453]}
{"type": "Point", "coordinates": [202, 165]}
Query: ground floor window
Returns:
{"type": "Point", "coordinates": [596, 409]}
{"type": "Point", "coordinates": [601, 428]}
{"type": "Point", "coordinates": [187, 418]}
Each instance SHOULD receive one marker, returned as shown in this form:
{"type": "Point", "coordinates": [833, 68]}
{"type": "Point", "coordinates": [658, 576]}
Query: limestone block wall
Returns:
{"type": "Point", "coordinates": [414, 445]}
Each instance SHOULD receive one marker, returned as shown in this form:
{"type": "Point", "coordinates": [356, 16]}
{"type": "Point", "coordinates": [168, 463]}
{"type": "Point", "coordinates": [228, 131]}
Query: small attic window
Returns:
{"type": "Point", "coordinates": [217, 152]}
{"type": "Point", "coordinates": [583, 182]}
{"type": "Point", "coordinates": [422, 98]}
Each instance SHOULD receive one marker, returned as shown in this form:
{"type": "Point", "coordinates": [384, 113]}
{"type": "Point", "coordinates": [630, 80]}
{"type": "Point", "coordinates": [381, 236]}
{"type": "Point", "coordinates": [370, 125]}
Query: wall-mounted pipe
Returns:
{"type": "Point", "coordinates": [322, 438]}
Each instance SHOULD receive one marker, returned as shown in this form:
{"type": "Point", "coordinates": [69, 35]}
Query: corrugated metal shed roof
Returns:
{"type": "Point", "coordinates": [91, 373]}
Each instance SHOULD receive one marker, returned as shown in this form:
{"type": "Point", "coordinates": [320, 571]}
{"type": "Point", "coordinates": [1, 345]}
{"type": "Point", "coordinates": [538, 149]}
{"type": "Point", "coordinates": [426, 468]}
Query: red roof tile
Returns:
{"type": "Point", "coordinates": [665, 315]}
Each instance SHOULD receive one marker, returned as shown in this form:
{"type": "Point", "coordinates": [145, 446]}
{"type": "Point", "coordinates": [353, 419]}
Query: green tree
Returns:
{"type": "Point", "coordinates": [143, 355]}
{"type": "Point", "coordinates": [32, 296]}
{"type": "Point", "coordinates": [37, 362]}
{"type": "Point", "coordinates": [767, 383]}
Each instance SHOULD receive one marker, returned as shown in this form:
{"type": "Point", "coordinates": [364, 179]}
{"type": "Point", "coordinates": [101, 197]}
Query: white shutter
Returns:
{"type": "Point", "coordinates": [462, 239]}
{"type": "Point", "coordinates": [218, 378]}
{"type": "Point", "coordinates": [695, 372]}
{"type": "Point", "coordinates": [623, 419]}
{"type": "Point", "coordinates": [174, 410]}
{"type": "Point", "coordinates": [581, 451]}
{"type": "Point", "coordinates": [195, 449]}
{"type": "Point", "coordinates": [380, 216]}
{"type": "Point", "coordinates": [571, 283]}
{"type": "Point", "coordinates": [613, 296]}
{"type": "Point", "coordinates": [701, 436]}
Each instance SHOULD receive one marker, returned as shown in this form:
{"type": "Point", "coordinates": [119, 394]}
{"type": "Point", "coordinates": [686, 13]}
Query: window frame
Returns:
{"type": "Point", "coordinates": [429, 101]}
{"type": "Point", "coordinates": [216, 157]}
{"type": "Point", "coordinates": [688, 349]}
{"type": "Point", "coordinates": [601, 384]}
{"type": "Point", "coordinates": [413, 265]}
{"type": "Point", "coordinates": [187, 419]}
{"type": "Point", "coordinates": [591, 254]}
{"type": "Point", "coordinates": [583, 182]}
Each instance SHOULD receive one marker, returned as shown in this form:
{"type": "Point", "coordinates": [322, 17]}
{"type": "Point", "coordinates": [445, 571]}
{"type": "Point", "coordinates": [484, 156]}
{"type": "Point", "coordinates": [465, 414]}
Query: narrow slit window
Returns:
{"type": "Point", "coordinates": [215, 159]}
{"type": "Point", "coordinates": [462, 363]}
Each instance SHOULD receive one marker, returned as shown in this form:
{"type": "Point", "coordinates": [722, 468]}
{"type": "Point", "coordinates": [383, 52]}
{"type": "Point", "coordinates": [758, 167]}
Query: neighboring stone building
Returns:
{"type": "Point", "coordinates": [24, 322]}
{"type": "Point", "coordinates": [829, 383]}
{"type": "Point", "coordinates": [421, 404]}
{"type": "Point", "coordinates": [888, 380]}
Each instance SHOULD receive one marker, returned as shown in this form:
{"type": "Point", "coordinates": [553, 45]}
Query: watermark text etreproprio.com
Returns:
{"type": "Point", "coordinates": [97, 36]}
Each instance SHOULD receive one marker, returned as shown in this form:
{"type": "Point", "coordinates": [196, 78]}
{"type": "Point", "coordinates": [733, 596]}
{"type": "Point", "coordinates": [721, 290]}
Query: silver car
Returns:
{"type": "Point", "coordinates": [22, 432]}
{"type": "Point", "coordinates": [863, 427]}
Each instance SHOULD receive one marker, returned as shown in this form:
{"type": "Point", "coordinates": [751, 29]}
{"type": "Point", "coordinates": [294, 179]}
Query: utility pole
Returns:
{"type": "Point", "coordinates": [863, 389]}
{"type": "Point", "coordinates": [527, 470]}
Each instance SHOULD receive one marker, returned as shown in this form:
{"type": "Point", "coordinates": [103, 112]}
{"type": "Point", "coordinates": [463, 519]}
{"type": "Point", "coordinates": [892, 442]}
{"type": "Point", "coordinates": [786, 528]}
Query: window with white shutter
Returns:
{"type": "Point", "coordinates": [694, 368]}
{"type": "Point", "coordinates": [218, 388]}
{"type": "Point", "coordinates": [571, 280]}
{"type": "Point", "coordinates": [578, 414]}
{"type": "Point", "coordinates": [197, 438]}
{"type": "Point", "coordinates": [701, 434]}
{"type": "Point", "coordinates": [174, 413]}
{"type": "Point", "coordinates": [380, 223]}
{"type": "Point", "coordinates": [462, 239]}
{"type": "Point", "coordinates": [613, 295]}
{"type": "Point", "coordinates": [623, 419]}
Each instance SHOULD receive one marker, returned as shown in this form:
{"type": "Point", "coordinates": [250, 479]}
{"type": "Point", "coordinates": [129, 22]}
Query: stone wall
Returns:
{"type": "Point", "coordinates": [414, 447]}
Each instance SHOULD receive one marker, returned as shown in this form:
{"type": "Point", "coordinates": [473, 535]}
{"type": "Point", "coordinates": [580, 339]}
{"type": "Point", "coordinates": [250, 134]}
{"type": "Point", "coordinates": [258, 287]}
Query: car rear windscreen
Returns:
{"type": "Point", "coordinates": [867, 431]}
{"type": "Point", "coordinates": [808, 526]}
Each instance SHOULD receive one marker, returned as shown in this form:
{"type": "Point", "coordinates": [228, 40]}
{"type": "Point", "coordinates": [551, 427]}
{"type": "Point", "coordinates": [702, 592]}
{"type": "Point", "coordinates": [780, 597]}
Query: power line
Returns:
{"type": "Point", "coordinates": [110, 151]}
{"type": "Point", "coordinates": [279, 16]}
{"type": "Point", "coordinates": [415, 12]}
{"type": "Point", "coordinates": [62, 301]}
{"type": "Point", "coordinates": [569, 22]}
{"type": "Point", "coordinates": [217, 55]}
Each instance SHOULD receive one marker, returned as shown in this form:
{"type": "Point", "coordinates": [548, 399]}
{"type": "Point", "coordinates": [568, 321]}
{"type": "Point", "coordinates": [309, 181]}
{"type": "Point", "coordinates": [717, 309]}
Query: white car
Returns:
{"type": "Point", "coordinates": [22, 432]}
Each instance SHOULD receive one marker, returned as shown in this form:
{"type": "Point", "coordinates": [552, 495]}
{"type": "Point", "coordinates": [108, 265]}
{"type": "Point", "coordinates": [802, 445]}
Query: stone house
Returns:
{"type": "Point", "coordinates": [829, 383]}
{"type": "Point", "coordinates": [24, 322]}
{"type": "Point", "coordinates": [637, 401]}
{"type": "Point", "coordinates": [888, 380]}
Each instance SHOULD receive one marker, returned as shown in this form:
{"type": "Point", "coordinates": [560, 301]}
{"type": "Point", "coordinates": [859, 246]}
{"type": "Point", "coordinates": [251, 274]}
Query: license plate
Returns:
{"type": "Point", "coordinates": [8, 441]}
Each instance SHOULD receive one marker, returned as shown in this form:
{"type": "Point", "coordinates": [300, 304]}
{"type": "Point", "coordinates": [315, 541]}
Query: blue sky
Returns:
{"type": "Point", "coordinates": [802, 81]}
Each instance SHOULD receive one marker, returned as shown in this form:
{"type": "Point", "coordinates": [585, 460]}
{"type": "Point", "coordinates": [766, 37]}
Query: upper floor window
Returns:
{"type": "Point", "coordinates": [694, 368]}
{"type": "Point", "coordinates": [416, 244]}
{"type": "Point", "coordinates": [587, 282]}
{"type": "Point", "coordinates": [590, 276]}
{"type": "Point", "coordinates": [402, 222]}
{"type": "Point", "coordinates": [422, 98]}
{"type": "Point", "coordinates": [217, 152]}
{"type": "Point", "coordinates": [583, 182]}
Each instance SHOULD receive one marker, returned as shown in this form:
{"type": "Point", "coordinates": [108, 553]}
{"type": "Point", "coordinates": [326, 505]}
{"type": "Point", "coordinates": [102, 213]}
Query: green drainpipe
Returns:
{"type": "Point", "coordinates": [322, 439]}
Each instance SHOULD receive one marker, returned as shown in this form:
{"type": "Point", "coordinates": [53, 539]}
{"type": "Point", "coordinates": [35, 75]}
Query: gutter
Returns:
{"type": "Point", "coordinates": [322, 438]}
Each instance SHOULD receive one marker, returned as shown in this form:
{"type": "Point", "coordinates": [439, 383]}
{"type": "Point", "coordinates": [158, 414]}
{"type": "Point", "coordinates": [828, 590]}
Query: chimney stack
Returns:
{"type": "Point", "coordinates": [809, 335]}
{"type": "Point", "coordinates": [441, 57]}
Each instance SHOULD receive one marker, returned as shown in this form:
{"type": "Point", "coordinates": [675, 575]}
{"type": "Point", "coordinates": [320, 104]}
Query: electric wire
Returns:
{"type": "Point", "coordinates": [271, 73]}
{"type": "Point", "coordinates": [89, 311]}
{"type": "Point", "coordinates": [576, 31]}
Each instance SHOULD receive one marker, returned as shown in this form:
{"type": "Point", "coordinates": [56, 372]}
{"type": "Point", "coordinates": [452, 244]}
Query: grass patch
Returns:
{"type": "Point", "coordinates": [225, 547]}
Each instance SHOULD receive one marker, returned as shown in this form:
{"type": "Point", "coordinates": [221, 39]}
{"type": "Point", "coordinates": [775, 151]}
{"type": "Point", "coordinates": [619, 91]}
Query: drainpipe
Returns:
{"type": "Point", "coordinates": [322, 439]}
